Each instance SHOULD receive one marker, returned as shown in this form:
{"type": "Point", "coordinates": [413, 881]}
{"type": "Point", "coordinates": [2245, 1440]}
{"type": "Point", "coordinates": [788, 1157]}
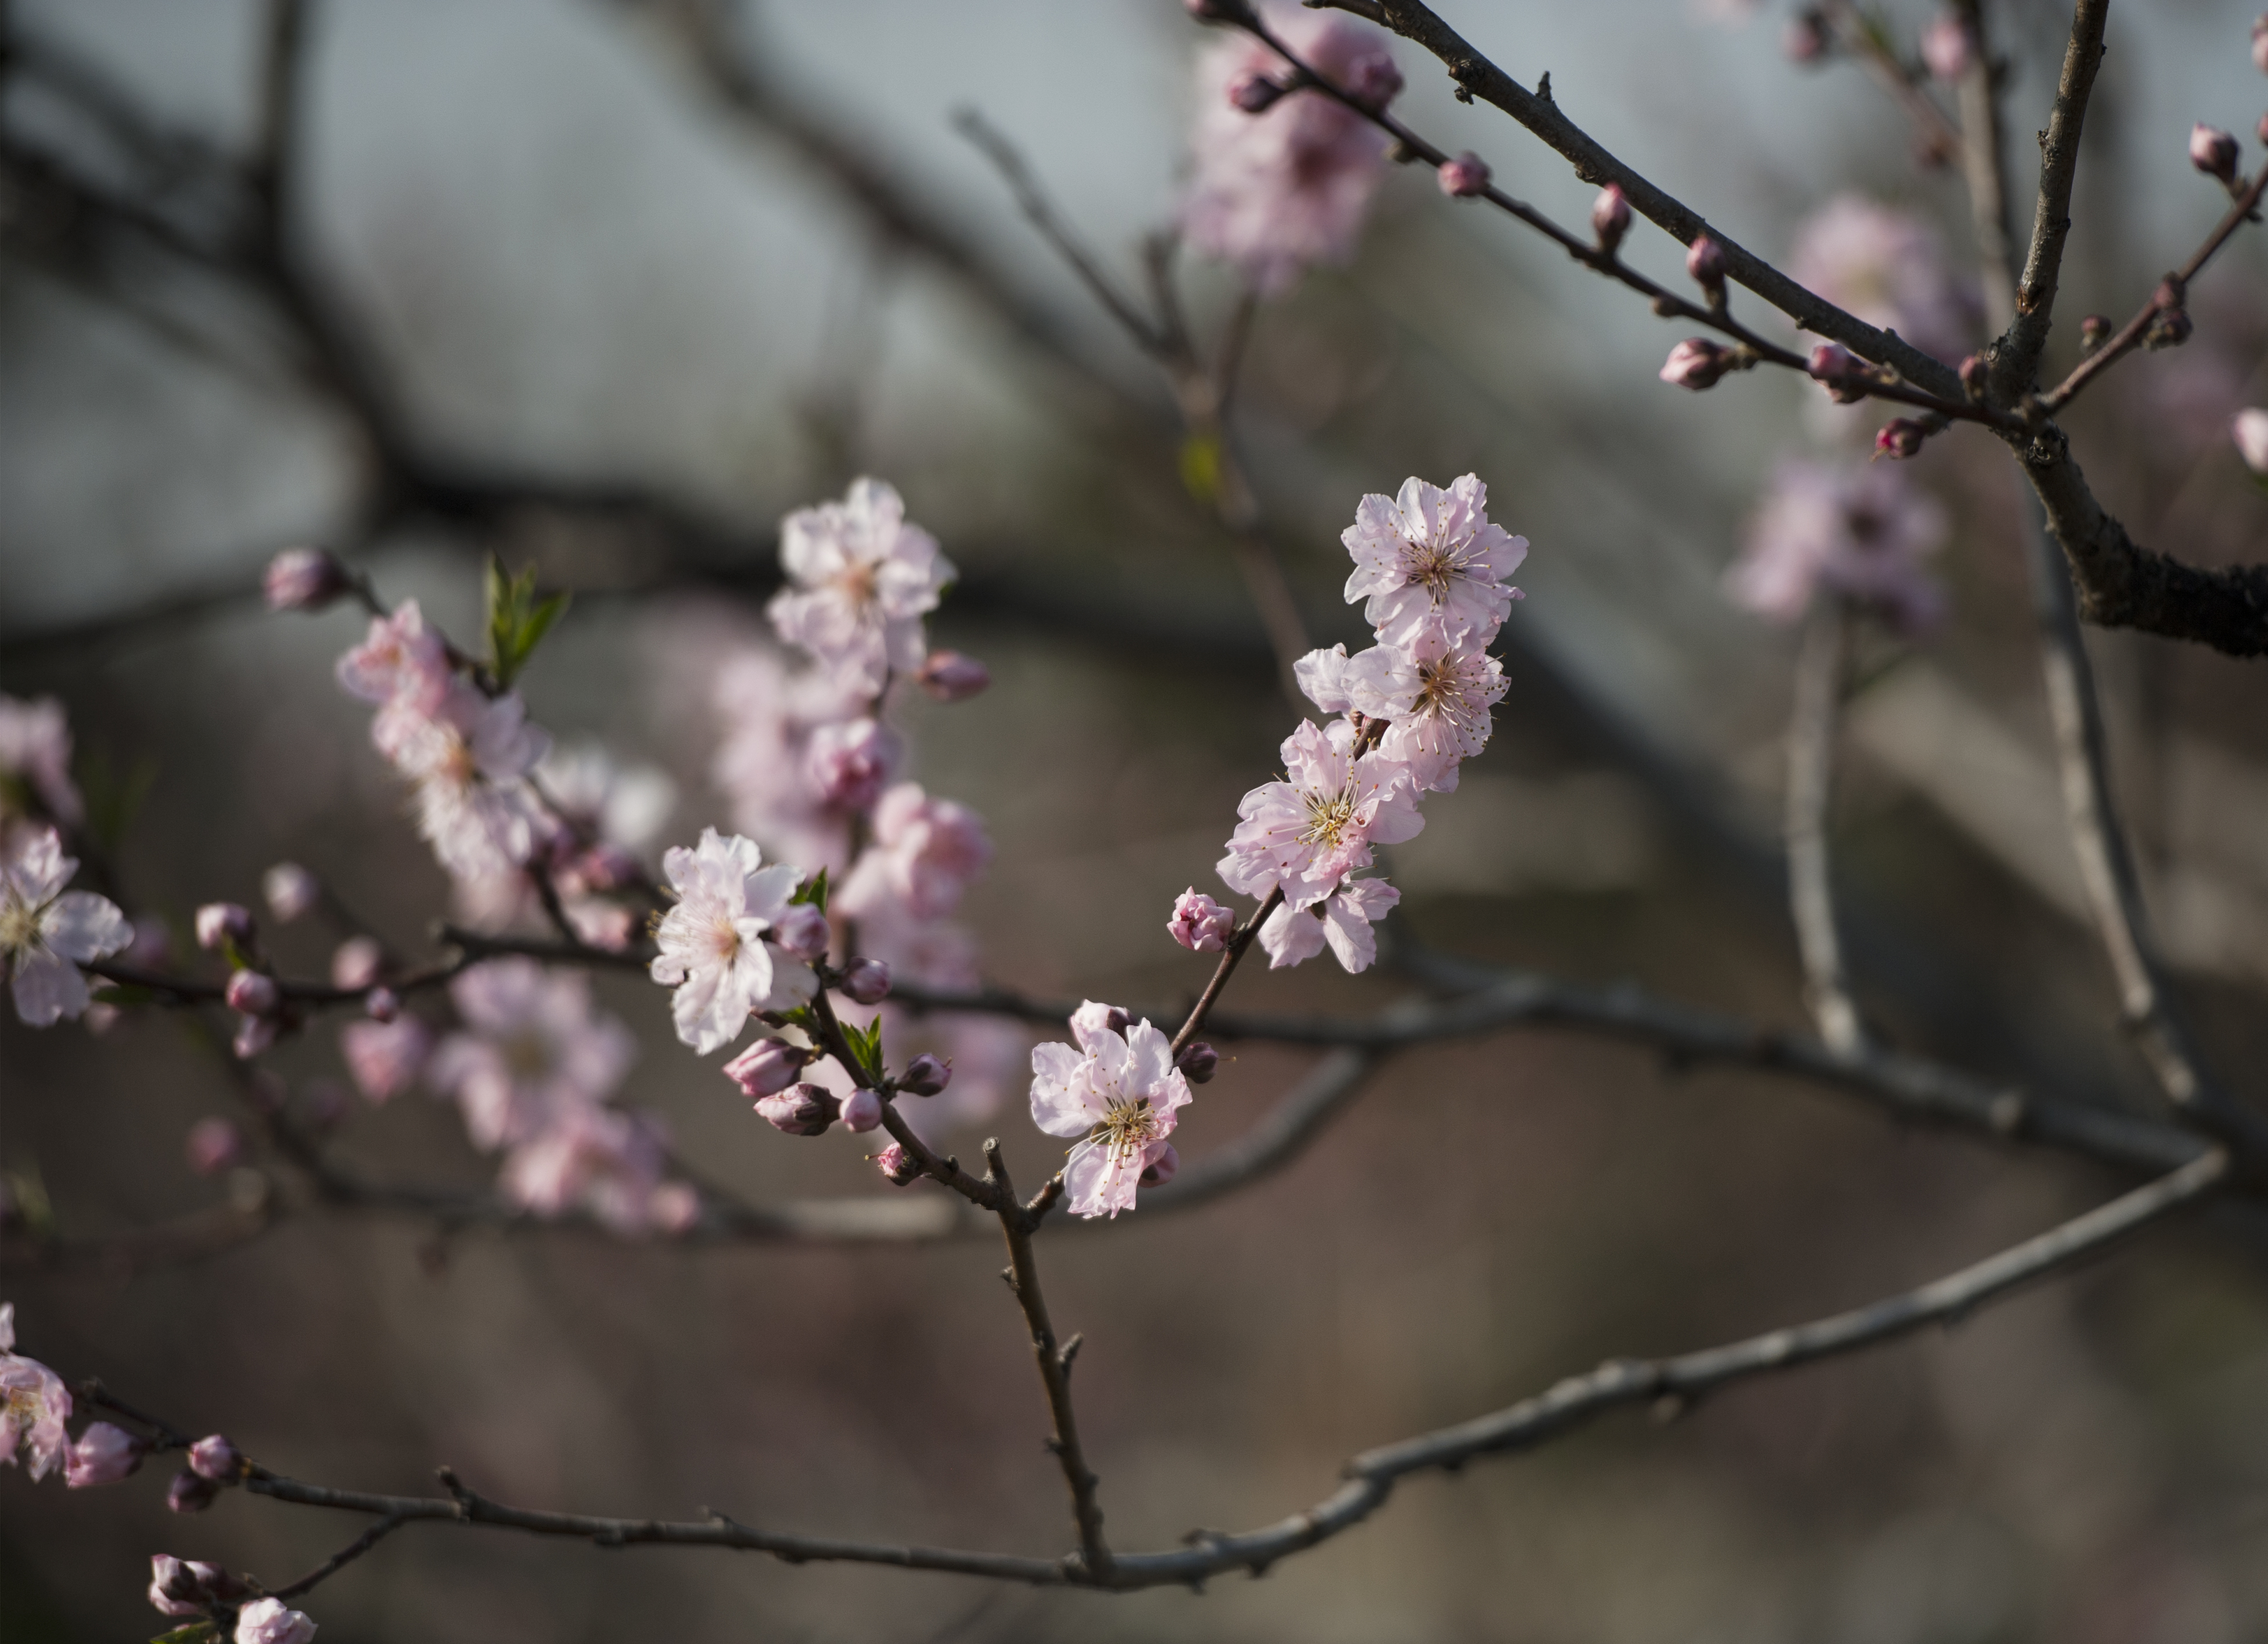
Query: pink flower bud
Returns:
{"type": "Point", "coordinates": [213, 1144]}
{"type": "Point", "coordinates": [381, 1004]}
{"type": "Point", "coordinates": [926, 1075]}
{"type": "Point", "coordinates": [1610, 217]}
{"type": "Point", "coordinates": [2260, 52]}
{"type": "Point", "coordinates": [1975, 374]}
{"type": "Point", "coordinates": [1463, 177]}
{"type": "Point", "coordinates": [304, 579]}
{"type": "Point", "coordinates": [898, 1165]}
{"type": "Point", "coordinates": [214, 1457]}
{"type": "Point", "coordinates": [862, 1112]}
{"type": "Point", "coordinates": [802, 931]}
{"type": "Point", "coordinates": [1697, 363]}
{"type": "Point", "coordinates": [103, 1454]}
{"type": "Point", "coordinates": [175, 1588]}
{"type": "Point", "coordinates": [2213, 152]}
{"type": "Point", "coordinates": [291, 890]}
{"type": "Point", "coordinates": [1197, 1062]}
{"type": "Point", "coordinates": [953, 677]}
{"type": "Point", "coordinates": [1807, 38]}
{"type": "Point", "coordinates": [269, 1621]}
{"type": "Point", "coordinates": [850, 765]}
{"type": "Point", "coordinates": [1840, 371]}
{"type": "Point", "coordinates": [800, 1110]}
{"type": "Point", "coordinates": [1374, 81]}
{"type": "Point", "coordinates": [765, 1068]}
{"type": "Point", "coordinates": [1704, 260]}
{"type": "Point", "coordinates": [1944, 47]}
{"type": "Point", "coordinates": [675, 1208]}
{"type": "Point", "coordinates": [252, 993]}
{"type": "Point", "coordinates": [1164, 1167]}
{"type": "Point", "coordinates": [1900, 438]}
{"type": "Point", "coordinates": [1253, 92]}
{"type": "Point", "coordinates": [189, 1493]}
{"type": "Point", "coordinates": [356, 963]}
{"type": "Point", "coordinates": [254, 1034]}
{"type": "Point", "coordinates": [866, 981]}
{"type": "Point", "coordinates": [2250, 430]}
{"type": "Point", "coordinates": [223, 922]}
{"type": "Point", "coordinates": [1200, 924]}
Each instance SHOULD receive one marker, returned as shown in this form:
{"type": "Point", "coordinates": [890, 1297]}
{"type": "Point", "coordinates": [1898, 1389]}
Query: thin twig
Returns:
{"type": "Point", "coordinates": [343, 1557]}
{"type": "Point", "coordinates": [1230, 957]}
{"type": "Point", "coordinates": [1820, 668]}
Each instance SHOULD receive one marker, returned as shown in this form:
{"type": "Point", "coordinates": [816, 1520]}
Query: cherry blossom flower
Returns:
{"type": "Point", "coordinates": [850, 763]}
{"type": "Point", "coordinates": [1200, 924]}
{"type": "Point", "coordinates": [593, 1158]}
{"type": "Point", "coordinates": [103, 1454]}
{"type": "Point", "coordinates": [385, 1058]}
{"type": "Point", "coordinates": [1861, 529]}
{"type": "Point", "coordinates": [269, 1621]}
{"type": "Point", "coordinates": [860, 580]}
{"type": "Point", "coordinates": [35, 753]}
{"type": "Point", "coordinates": [712, 947]}
{"type": "Point", "coordinates": [469, 755]}
{"type": "Point", "coordinates": [1886, 267]}
{"type": "Point", "coordinates": [1120, 1095]}
{"type": "Point", "coordinates": [399, 656]}
{"type": "Point", "coordinates": [1438, 692]}
{"type": "Point", "coordinates": [1431, 552]}
{"type": "Point", "coordinates": [925, 853]}
{"type": "Point", "coordinates": [1292, 935]}
{"type": "Point", "coordinates": [533, 1050]}
{"type": "Point", "coordinates": [34, 1404]}
{"type": "Point", "coordinates": [1308, 832]}
{"type": "Point", "coordinates": [621, 805]}
{"type": "Point", "coordinates": [1321, 678]}
{"type": "Point", "coordinates": [1278, 191]}
{"type": "Point", "coordinates": [46, 932]}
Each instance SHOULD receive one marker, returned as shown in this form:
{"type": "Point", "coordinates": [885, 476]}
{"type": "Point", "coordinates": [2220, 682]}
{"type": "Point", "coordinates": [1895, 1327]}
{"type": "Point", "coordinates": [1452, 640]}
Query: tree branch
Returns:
{"type": "Point", "coordinates": [1820, 670]}
{"type": "Point", "coordinates": [2016, 358]}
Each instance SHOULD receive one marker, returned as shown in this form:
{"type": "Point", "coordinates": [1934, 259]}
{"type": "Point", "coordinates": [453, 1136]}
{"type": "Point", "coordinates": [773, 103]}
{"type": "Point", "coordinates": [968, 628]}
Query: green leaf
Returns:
{"type": "Point", "coordinates": [195, 1632]}
{"type": "Point", "coordinates": [517, 620]}
{"type": "Point", "coordinates": [812, 891]}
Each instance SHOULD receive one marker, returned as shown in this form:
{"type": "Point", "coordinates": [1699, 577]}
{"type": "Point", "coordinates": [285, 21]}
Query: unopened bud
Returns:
{"type": "Point", "coordinates": [1200, 924]}
{"type": "Point", "coordinates": [1611, 218]}
{"type": "Point", "coordinates": [862, 1110]}
{"type": "Point", "coordinates": [1975, 375]}
{"type": "Point", "coordinates": [174, 1587]}
{"type": "Point", "coordinates": [381, 1004]}
{"type": "Point", "coordinates": [1899, 439]}
{"type": "Point", "coordinates": [2168, 327]}
{"type": "Point", "coordinates": [2250, 429]}
{"type": "Point", "coordinates": [802, 933]}
{"type": "Point", "coordinates": [2094, 332]}
{"type": "Point", "coordinates": [304, 579]}
{"type": "Point", "coordinates": [252, 993]}
{"type": "Point", "coordinates": [899, 1166]}
{"type": "Point", "coordinates": [765, 1068]}
{"type": "Point", "coordinates": [866, 981]}
{"type": "Point", "coordinates": [953, 676]}
{"type": "Point", "coordinates": [800, 1110]}
{"type": "Point", "coordinates": [1198, 1061]}
{"type": "Point", "coordinates": [1374, 81]}
{"type": "Point", "coordinates": [2260, 58]}
{"type": "Point", "coordinates": [1841, 372]}
{"type": "Point", "coordinates": [213, 1144]}
{"type": "Point", "coordinates": [1944, 47]}
{"type": "Point", "coordinates": [1704, 260]}
{"type": "Point", "coordinates": [1253, 92]}
{"type": "Point", "coordinates": [220, 923]}
{"type": "Point", "coordinates": [1697, 363]}
{"type": "Point", "coordinates": [2213, 152]}
{"type": "Point", "coordinates": [290, 891]}
{"type": "Point", "coordinates": [190, 1494]}
{"type": "Point", "coordinates": [214, 1457]}
{"type": "Point", "coordinates": [1162, 1168]}
{"type": "Point", "coordinates": [926, 1075]}
{"type": "Point", "coordinates": [1807, 39]}
{"type": "Point", "coordinates": [103, 1454]}
{"type": "Point", "coordinates": [1463, 177]}
{"type": "Point", "coordinates": [356, 963]}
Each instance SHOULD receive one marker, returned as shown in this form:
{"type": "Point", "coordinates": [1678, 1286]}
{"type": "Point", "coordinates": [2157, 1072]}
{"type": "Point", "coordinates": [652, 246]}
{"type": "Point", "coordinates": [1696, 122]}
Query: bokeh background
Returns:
{"type": "Point", "coordinates": [574, 258]}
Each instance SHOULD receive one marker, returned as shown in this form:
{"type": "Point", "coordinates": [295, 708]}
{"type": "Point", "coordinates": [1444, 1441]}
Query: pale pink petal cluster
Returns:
{"type": "Point", "coordinates": [1888, 268]}
{"type": "Point", "coordinates": [1276, 192]}
{"type": "Point", "coordinates": [35, 754]}
{"type": "Point", "coordinates": [532, 1050]}
{"type": "Point", "coordinates": [385, 1058]}
{"type": "Point", "coordinates": [763, 763]}
{"type": "Point", "coordinates": [1860, 530]}
{"type": "Point", "coordinates": [1341, 921]}
{"type": "Point", "coordinates": [271, 1621]}
{"type": "Point", "coordinates": [599, 1160]}
{"type": "Point", "coordinates": [860, 580]}
{"type": "Point", "coordinates": [1119, 1093]}
{"type": "Point", "coordinates": [1439, 690]}
{"type": "Point", "coordinates": [925, 852]}
{"type": "Point", "coordinates": [47, 931]}
{"type": "Point", "coordinates": [714, 950]}
{"type": "Point", "coordinates": [34, 1404]}
{"type": "Point", "coordinates": [1431, 555]}
{"type": "Point", "coordinates": [1303, 833]}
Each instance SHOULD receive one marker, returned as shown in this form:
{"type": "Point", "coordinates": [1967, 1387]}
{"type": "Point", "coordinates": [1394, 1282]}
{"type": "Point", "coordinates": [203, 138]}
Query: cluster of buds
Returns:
{"type": "Point", "coordinates": [214, 1462]}
{"type": "Point", "coordinates": [188, 1589]}
{"type": "Point", "coordinates": [2170, 324]}
{"type": "Point", "coordinates": [251, 992]}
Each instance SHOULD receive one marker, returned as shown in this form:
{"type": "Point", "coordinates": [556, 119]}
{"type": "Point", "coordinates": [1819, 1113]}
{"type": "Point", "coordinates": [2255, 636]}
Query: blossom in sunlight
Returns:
{"type": "Point", "coordinates": [927, 852]}
{"type": "Point", "coordinates": [1341, 920]}
{"type": "Point", "coordinates": [860, 580]}
{"type": "Point", "coordinates": [34, 1404]}
{"type": "Point", "coordinates": [47, 931]}
{"type": "Point", "coordinates": [1432, 553]}
{"type": "Point", "coordinates": [1308, 832]}
{"type": "Point", "coordinates": [1120, 1095]}
{"type": "Point", "coordinates": [713, 950]}
{"type": "Point", "coordinates": [469, 755]}
{"type": "Point", "coordinates": [1438, 691]}
{"type": "Point", "coordinates": [399, 656]}
{"type": "Point", "coordinates": [532, 1048]}
{"type": "Point", "coordinates": [35, 754]}
{"type": "Point", "coordinates": [1861, 529]}
{"type": "Point", "coordinates": [1279, 190]}
{"type": "Point", "coordinates": [1321, 678]}
{"type": "Point", "coordinates": [1887, 267]}
{"type": "Point", "coordinates": [270, 1621]}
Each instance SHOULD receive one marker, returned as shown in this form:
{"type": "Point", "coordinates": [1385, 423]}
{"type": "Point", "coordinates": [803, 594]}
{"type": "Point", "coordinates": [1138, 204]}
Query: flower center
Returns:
{"type": "Point", "coordinates": [1329, 816]}
{"type": "Point", "coordinates": [1441, 694]}
{"type": "Point", "coordinates": [724, 939]}
{"type": "Point", "coordinates": [1126, 1128]}
{"type": "Point", "coordinates": [528, 1055]}
{"type": "Point", "coordinates": [19, 924]}
{"type": "Point", "coordinates": [1432, 566]}
{"type": "Point", "coordinates": [858, 585]}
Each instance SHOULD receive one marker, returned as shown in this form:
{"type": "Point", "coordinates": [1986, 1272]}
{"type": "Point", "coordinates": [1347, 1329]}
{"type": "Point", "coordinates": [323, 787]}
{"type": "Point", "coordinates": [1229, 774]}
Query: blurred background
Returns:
{"type": "Point", "coordinates": [621, 289]}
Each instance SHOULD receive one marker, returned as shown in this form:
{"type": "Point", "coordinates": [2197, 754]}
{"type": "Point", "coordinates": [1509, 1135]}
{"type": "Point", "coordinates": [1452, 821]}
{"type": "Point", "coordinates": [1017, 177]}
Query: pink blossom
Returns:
{"type": "Point", "coordinates": [220, 924]}
{"type": "Point", "coordinates": [862, 1112]}
{"type": "Point", "coordinates": [33, 1405]}
{"type": "Point", "coordinates": [401, 656]}
{"type": "Point", "coordinates": [469, 755]}
{"type": "Point", "coordinates": [675, 1208]}
{"type": "Point", "coordinates": [1886, 267]}
{"type": "Point", "coordinates": [2250, 429]}
{"type": "Point", "coordinates": [952, 676]}
{"type": "Point", "coordinates": [46, 932]}
{"type": "Point", "coordinates": [804, 1109]}
{"type": "Point", "coordinates": [213, 1144]}
{"type": "Point", "coordinates": [803, 932]}
{"type": "Point", "coordinates": [866, 981]}
{"type": "Point", "coordinates": [1431, 551]}
{"type": "Point", "coordinates": [533, 1050]}
{"type": "Point", "coordinates": [1438, 691]}
{"type": "Point", "coordinates": [252, 994]}
{"type": "Point", "coordinates": [899, 1166]}
{"type": "Point", "coordinates": [1292, 935]}
{"type": "Point", "coordinates": [926, 1075]}
{"type": "Point", "coordinates": [303, 579]}
{"type": "Point", "coordinates": [103, 1455]}
{"type": "Point", "coordinates": [1200, 924]}
{"type": "Point", "coordinates": [860, 580]}
{"type": "Point", "coordinates": [1322, 677]}
{"type": "Point", "coordinates": [1093, 1019]}
{"type": "Point", "coordinates": [2213, 151]}
{"type": "Point", "coordinates": [385, 1058]}
{"type": "Point", "coordinates": [586, 1156]}
{"type": "Point", "coordinates": [1946, 49]}
{"type": "Point", "coordinates": [1861, 529]}
{"type": "Point", "coordinates": [35, 749]}
{"type": "Point", "coordinates": [291, 890]}
{"type": "Point", "coordinates": [177, 1588]}
{"type": "Point", "coordinates": [1279, 191]}
{"type": "Point", "coordinates": [1120, 1095]}
{"type": "Point", "coordinates": [850, 764]}
{"type": "Point", "coordinates": [924, 855]}
{"type": "Point", "coordinates": [269, 1621]}
{"type": "Point", "coordinates": [622, 806]}
{"type": "Point", "coordinates": [356, 963]}
{"type": "Point", "coordinates": [1308, 832]}
{"type": "Point", "coordinates": [765, 1068]}
{"type": "Point", "coordinates": [213, 1457]}
{"type": "Point", "coordinates": [713, 950]}
{"type": "Point", "coordinates": [769, 716]}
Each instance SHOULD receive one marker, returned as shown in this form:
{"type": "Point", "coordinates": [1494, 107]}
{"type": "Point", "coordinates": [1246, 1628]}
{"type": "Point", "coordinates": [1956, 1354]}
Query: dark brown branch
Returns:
{"type": "Point", "coordinates": [2016, 359]}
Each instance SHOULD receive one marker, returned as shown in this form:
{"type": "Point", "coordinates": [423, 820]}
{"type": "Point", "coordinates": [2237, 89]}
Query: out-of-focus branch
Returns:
{"type": "Point", "coordinates": [2016, 358]}
{"type": "Point", "coordinates": [1863, 40]}
{"type": "Point", "coordinates": [1820, 668]}
{"type": "Point", "coordinates": [1984, 166]}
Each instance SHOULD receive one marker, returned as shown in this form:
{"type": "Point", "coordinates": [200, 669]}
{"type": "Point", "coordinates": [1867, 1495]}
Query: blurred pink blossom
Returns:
{"type": "Point", "coordinates": [33, 1405]}
{"type": "Point", "coordinates": [1888, 268]}
{"type": "Point", "coordinates": [47, 931]}
{"type": "Point", "coordinates": [1861, 529]}
{"type": "Point", "coordinates": [532, 1049]}
{"type": "Point", "coordinates": [385, 1058]}
{"type": "Point", "coordinates": [35, 749]}
{"type": "Point", "coordinates": [860, 580]}
{"type": "Point", "coordinates": [103, 1454]}
{"type": "Point", "coordinates": [926, 854]}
